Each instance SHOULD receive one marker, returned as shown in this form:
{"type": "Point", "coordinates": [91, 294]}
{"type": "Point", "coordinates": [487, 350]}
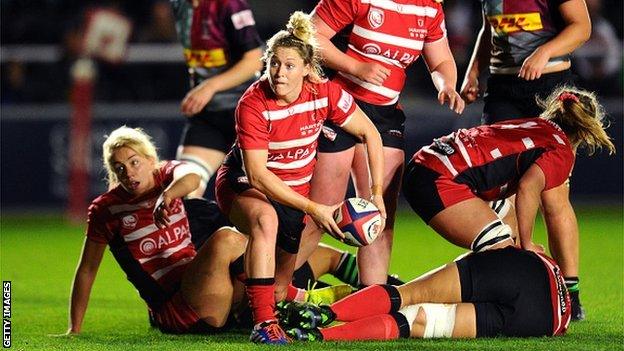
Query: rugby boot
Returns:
{"type": "Point", "coordinates": [328, 295]}
{"type": "Point", "coordinates": [304, 334]}
{"type": "Point", "coordinates": [306, 315]}
{"type": "Point", "coordinates": [269, 332]}
{"type": "Point", "coordinates": [578, 312]}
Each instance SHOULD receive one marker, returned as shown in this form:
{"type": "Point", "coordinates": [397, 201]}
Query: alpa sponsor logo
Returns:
{"type": "Point", "coordinates": [297, 154]}
{"type": "Point", "coordinates": [149, 246]}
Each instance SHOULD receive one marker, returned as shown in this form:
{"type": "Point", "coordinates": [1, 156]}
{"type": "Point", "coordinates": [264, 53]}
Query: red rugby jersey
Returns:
{"type": "Point", "coordinates": [560, 298]}
{"type": "Point", "coordinates": [389, 32]}
{"type": "Point", "coordinates": [491, 159]}
{"type": "Point", "coordinates": [147, 254]}
{"type": "Point", "coordinates": [290, 132]}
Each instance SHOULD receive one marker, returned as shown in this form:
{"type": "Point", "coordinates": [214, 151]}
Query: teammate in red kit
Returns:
{"type": "Point", "coordinates": [500, 292]}
{"type": "Point", "coordinates": [449, 182]}
{"type": "Point", "coordinates": [385, 39]}
{"type": "Point", "coordinates": [143, 221]}
{"type": "Point", "coordinates": [263, 184]}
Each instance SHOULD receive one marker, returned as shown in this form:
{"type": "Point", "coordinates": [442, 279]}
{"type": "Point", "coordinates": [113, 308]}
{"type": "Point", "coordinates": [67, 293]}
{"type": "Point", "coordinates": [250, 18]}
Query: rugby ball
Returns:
{"type": "Point", "coordinates": [359, 221]}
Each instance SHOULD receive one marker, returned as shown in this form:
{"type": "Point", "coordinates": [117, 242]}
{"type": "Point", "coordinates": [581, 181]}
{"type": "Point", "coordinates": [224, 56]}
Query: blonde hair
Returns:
{"type": "Point", "coordinates": [299, 35]}
{"type": "Point", "coordinates": [580, 116]}
{"type": "Point", "coordinates": [133, 138]}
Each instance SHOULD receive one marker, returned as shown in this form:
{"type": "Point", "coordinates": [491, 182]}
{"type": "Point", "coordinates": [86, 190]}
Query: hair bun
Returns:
{"type": "Point", "coordinates": [300, 26]}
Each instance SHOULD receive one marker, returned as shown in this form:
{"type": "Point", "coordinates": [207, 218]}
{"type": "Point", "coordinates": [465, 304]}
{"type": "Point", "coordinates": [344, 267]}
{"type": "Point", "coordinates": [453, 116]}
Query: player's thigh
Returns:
{"type": "Point", "coordinates": [331, 176]}
{"type": "Point", "coordinates": [440, 285]}
{"type": "Point", "coordinates": [252, 213]}
{"type": "Point", "coordinates": [462, 222]}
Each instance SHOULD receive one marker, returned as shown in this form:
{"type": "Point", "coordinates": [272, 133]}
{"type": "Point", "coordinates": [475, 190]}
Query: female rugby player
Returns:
{"type": "Point", "coordinates": [263, 185]}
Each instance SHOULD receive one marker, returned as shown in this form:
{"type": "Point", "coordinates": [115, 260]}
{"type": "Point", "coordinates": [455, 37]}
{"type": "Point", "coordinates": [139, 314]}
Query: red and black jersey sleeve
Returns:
{"type": "Point", "coordinates": [557, 165]}
{"type": "Point", "coordinates": [165, 172]}
{"type": "Point", "coordinates": [97, 229]}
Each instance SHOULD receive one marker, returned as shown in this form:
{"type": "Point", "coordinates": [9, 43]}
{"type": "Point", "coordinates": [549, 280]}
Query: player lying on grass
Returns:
{"type": "Point", "coordinates": [449, 183]}
{"type": "Point", "coordinates": [143, 220]}
{"type": "Point", "coordinates": [473, 297]}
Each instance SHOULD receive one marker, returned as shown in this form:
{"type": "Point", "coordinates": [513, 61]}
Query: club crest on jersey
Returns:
{"type": "Point", "coordinates": [129, 221]}
{"type": "Point", "coordinates": [371, 48]}
{"type": "Point", "coordinates": [375, 17]}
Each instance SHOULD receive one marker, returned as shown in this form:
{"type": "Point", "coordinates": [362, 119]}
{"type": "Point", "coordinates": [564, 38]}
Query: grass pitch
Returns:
{"type": "Point", "coordinates": [39, 256]}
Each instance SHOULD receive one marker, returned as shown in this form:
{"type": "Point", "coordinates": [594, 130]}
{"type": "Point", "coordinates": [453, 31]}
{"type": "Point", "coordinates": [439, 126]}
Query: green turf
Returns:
{"type": "Point", "coordinates": [39, 256]}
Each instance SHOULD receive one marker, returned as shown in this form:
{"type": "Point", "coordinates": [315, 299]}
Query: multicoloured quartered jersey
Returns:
{"type": "Point", "coordinates": [215, 35]}
{"type": "Point", "coordinates": [518, 28]}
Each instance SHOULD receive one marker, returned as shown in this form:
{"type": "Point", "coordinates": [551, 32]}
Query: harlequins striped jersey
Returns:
{"type": "Point", "coordinates": [215, 35]}
{"type": "Point", "coordinates": [518, 28]}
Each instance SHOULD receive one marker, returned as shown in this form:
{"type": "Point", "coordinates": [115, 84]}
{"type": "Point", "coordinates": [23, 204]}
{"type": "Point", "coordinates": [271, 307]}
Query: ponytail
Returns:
{"type": "Point", "coordinates": [580, 116]}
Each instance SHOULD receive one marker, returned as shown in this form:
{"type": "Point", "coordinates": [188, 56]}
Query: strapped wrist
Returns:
{"type": "Point", "coordinates": [376, 190]}
{"type": "Point", "coordinates": [310, 207]}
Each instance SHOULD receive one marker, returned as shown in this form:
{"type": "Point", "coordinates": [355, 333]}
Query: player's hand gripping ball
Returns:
{"type": "Point", "coordinates": [359, 221]}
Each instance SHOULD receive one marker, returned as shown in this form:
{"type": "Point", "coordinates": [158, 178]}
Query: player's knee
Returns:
{"type": "Point", "coordinates": [491, 234]}
{"type": "Point", "coordinates": [227, 239]}
{"type": "Point", "coordinates": [215, 321]}
{"type": "Point", "coordinates": [265, 226]}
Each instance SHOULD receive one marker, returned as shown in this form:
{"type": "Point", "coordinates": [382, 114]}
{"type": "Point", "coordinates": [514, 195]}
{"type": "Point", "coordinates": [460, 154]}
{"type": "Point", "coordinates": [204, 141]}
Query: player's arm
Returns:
{"type": "Point", "coordinates": [261, 178]}
{"type": "Point", "coordinates": [90, 259]}
{"type": "Point", "coordinates": [359, 125]}
{"type": "Point", "coordinates": [576, 31]}
{"type": "Point", "coordinates": [441, 64]}
{"type": "Point", "coordinates": [562, 227]}
{"type": "Point", "coordinates": [334, 58]}
{"type": "Point", "coordinates": [478, 61]}
{"type": "Point", "coordinates": [530, 188]}
{"type": "Point", "coordinates": [186, 179]}
{"type": "Point", "coordinates": [243, 70]}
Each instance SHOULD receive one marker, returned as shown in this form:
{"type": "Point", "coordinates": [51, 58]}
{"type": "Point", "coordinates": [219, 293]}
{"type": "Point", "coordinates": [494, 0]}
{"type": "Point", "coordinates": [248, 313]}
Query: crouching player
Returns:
{"type": "Point", "coordinates": [449, 182]}
{"type": "Point", "coordinates": [473, 297]}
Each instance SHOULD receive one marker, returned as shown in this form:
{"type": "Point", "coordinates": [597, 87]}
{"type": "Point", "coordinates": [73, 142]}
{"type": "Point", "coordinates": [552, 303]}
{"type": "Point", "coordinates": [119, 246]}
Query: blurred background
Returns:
{"type": "Point", "coordinates": [40, 41]}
